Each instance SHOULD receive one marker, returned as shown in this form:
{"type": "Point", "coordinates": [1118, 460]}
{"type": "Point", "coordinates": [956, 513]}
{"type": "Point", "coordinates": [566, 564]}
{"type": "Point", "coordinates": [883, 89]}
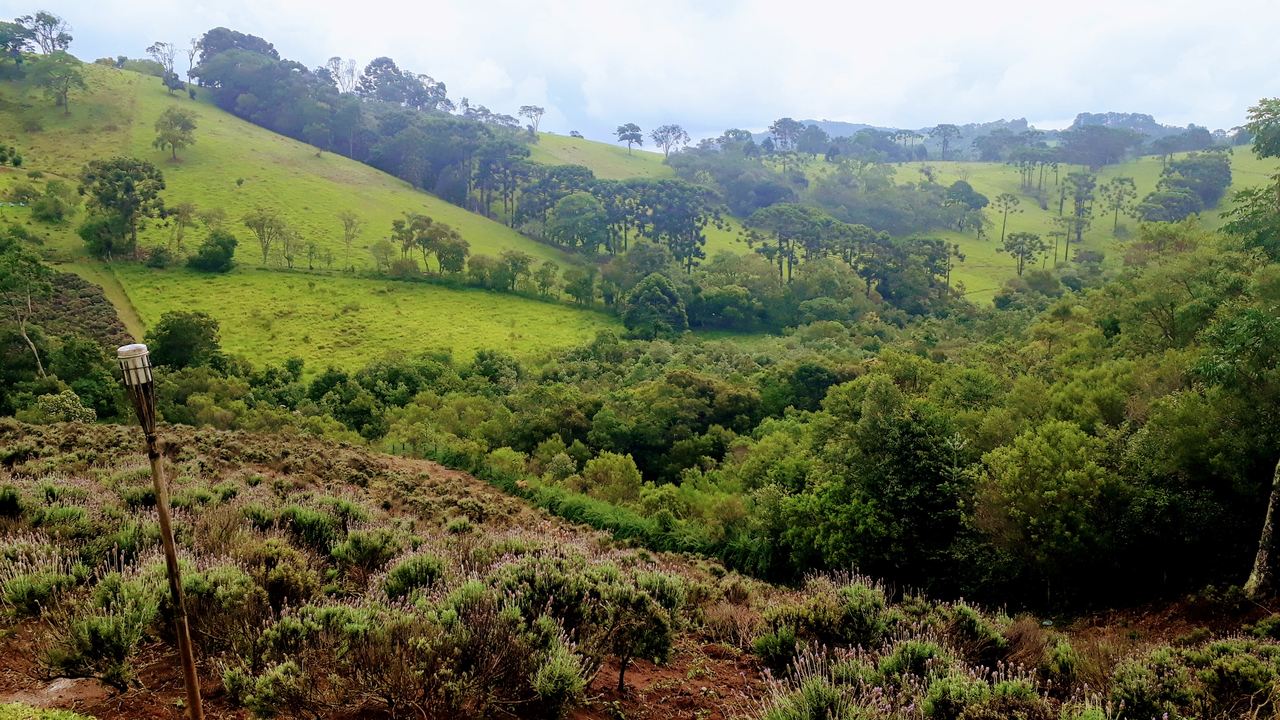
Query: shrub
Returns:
{"type": "Point", "coordinates": [1152, 685]}
{"type": "Point", "coordinates": [413, 573]}
{"type": "Point", "coordinates": [314, 528]}
{"type": "Point", "coordinates": [367, 549]}
{"type": "Point", "coordinates": [559, 682]}
{"type": "Point", "coordinates": [977, 636]}
{"type": "Point", "coordinates": [159, 257]}
{"type": "Point", "coordinates": [100, 637]}
{"type": "Point", "coordinates": [950, 695]}
{"type": "Point", "coordinates": [10, 501]}
{"type": "Point", "coordinates": [910, 657]}
{"type": "Point", "coordinates": [1061, 661]}
{"type": "Point", "coordinates": [776, 649]}
{"type": "Point", "coordinates": [816, 697]}
{"type": "Point", "coordinates": [28, 593]}
{"type": "Point", "coordinates": [215, 253]}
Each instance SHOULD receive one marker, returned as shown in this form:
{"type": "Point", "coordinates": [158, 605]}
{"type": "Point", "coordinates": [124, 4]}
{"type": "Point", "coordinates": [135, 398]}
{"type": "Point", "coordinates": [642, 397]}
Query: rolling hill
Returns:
{"type": "Point", "coordinates": [237, 166]}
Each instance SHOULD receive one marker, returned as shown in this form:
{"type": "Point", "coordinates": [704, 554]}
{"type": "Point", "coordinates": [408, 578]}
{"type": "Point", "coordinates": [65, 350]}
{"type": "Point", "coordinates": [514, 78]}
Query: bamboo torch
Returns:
{"type": "Point", "coordinates": [135, 364]}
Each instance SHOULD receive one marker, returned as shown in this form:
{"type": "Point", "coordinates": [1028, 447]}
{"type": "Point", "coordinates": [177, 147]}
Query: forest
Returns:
{"type": "Point", "coordinates": [816, 450]}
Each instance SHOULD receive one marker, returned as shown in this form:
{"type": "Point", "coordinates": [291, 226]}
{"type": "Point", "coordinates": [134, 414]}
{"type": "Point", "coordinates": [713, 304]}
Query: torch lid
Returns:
{"type": "Point", "coordinates": [131, 351]}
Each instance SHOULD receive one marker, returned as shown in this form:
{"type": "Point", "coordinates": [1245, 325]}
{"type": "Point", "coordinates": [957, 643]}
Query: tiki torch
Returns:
{"type": "Point", "coordinates": [135, 364]}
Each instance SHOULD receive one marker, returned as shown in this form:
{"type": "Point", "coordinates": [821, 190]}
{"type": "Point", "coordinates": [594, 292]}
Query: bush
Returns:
{"type": "Point", "coordinates": [816, 698]}
{"type": "Point", "coordinates": [159, 257]}
{"type": "Point", "coordinates": [27, 594]}
{"type": "Point", "coordinates": [413, 573]}
{"type": "Point", "coordinates": [776, 649]}
{"type": "Point", "coordinates": [559, 682]}
{"type": "Point", "coordinates": [1152, 685]}
{"type": "Point", "coordinates": [367, 549]}
{"type": "Point", "coordinates": [910, 657]}
{"type": "Point", "coordinates": [101, 637]}
{"type": "Point", "coordinates": [215, 253]}
{"type": "Point", "coordinates": [950, 695]}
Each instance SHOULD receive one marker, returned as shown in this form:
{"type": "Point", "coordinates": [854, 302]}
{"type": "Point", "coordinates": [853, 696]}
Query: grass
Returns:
{"type": "Point", "coordinates": [269, 316]}
{"type": "Point", "coordinates": [16, 711]}
{"type": "Point", "coordinates": [608, 162]}
{"type": "Point", "coordinates": [985, 269]}
{"type": "Point", "coordinates": [117, 115]}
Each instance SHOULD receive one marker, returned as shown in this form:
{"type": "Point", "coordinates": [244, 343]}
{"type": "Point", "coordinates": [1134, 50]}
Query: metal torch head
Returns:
{"type": "Point", "coordinates": [135, 364]}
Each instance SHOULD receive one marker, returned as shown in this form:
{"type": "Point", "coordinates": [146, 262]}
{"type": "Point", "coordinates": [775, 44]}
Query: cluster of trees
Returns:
{"type": "Point", "coordinates": [1187, 186]}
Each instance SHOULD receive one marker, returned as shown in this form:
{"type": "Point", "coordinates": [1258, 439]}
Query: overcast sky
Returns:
{"type": "Point", "coordinates": [714, 64]}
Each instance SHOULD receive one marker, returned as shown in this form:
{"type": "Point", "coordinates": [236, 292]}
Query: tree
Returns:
{"type": "Point", "coordinates": [654, 309]}
{"type": "Point", "coordinates": [175, 129]}
{"type": "Point", "coordinates": [1169, 204]}
{"type": "Point", "coordinates": [343, 73]}
{"type": "Point", "coordinates": [544, 278]}
{"type": "Point", "coordinates": [668, 137]}
{"type": "Point", "coordinates": [579, 220]}
{"type": "Point", "coordinates": [215, 253]}
{"type": "Point", "coordinates": [945, 133]}
{"type": "Point", "coordinates": [23, 281]}
{"type": "Point", "coordinates": [1118, 195]}
{"type": "Point", "coordinates": [1264, 125]}
{"type": "Point", "coordinates": [184, 339]}
{"type": "Point", "coordinates": [1005, 204]}
{"type": "Point", "coordinates": [534, 113]}
{"type": "Point", "coordinates": [165, 54]}
{"type": "Point", "coordinates": [59, 74]}
{"type": "Point", "coordinates": [319, 135]}
{"type": "Point", "coordinates": [580, 284]}
{"type": "Point", "coordinates": [14, 41]}
{"type": "Point", "coordinates": [268, 226]}
{"type": "Point", "coordinates": [125, 188]}
{"type": "Point", "coordinates": [786, 133]}
{"type": "Point", "coordinates": [631, 135]}
{"type": "Point", "coordinates": [1080, 187]}
{"type": "Point", "coordinates": [382, 250]}
{"type": "Point", "coordinates": [1262, 579]}
{"type": "Point", "coordinates": [1024, 247]}
{"type": "Point", "coordinates": [51, 33]}
{"type": "Point", "coordinates": [183, 215]}
{"type": "Point", "coordinates": [352, 225]}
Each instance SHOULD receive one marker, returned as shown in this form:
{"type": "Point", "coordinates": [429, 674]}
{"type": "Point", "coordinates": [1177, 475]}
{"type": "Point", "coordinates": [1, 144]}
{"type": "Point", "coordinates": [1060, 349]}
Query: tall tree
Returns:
{"type": "Point", "coordinates": [343, 73]}
{"type": "Point", "coordinates": [668, 137]}
{"type": "Point", "coordinates": [268, 227]}
{"type": "Point", "coordinates": [1118, 195]}
{"type": "Point", "coordinates": [51, 33]}
{"type": "Point", "coordinates": [1080, 189]}
{"type": "Point", "coordinates": [23, 281]}
{"type": "Point", "coordinates": [630, 134]}
{"type": "Point", "coordinates": [126, 188]}
{"type": "Point", "coordinates": [945, 133]}
{"type": "Point", "coordinates": [175, 129]}
{"type": "Point", "coordinates": [1024, 247]}
{"type": "Point", "coordinates": [352, 224]}
{"type": "Point", "coordinates": [534, 113]}
{"type": "Point", "coordinates": [786, 133]}
{"type": "Point", "coordinates": [59, 74]}
{"type": "Point", "coordinates": [14, 41]}
{"type": "Point", "coordinates": [1006, 204]}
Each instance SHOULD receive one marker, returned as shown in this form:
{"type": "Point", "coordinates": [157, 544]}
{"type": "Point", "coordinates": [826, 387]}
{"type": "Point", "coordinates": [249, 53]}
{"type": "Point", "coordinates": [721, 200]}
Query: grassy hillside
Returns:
{"type": "Point", "coordinates": [270, 316]}
{"type": "Point", "coordinates": [117, 116]}
{"type": "Point", "coordinates": [263, 312]}
{"type": "Point", "coordinates": [609, 162]}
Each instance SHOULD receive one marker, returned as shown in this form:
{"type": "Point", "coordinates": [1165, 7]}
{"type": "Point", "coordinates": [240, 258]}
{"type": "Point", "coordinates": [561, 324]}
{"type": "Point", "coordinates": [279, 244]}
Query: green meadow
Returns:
{"type": "Point", "coordinates": [269, 316]}
{"type": "Point", "coordinates": [608, 162]}
{"type": "Point", "coordinates": [234, 165]}
{"type": "Point", "coordinates": [268, 313]}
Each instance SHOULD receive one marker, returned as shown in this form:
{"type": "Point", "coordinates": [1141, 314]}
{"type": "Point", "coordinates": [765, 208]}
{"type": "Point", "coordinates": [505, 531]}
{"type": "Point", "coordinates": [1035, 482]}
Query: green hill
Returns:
{"type": "Point", "coordinates": [266, 312]}
{"type": "Point", "coordinates": [117, 116]}
{"type": "Point", "coordinates": [608, 162]}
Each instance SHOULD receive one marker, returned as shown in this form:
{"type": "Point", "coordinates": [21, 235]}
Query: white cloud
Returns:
{"type": "Point", "coordinates": [712, 65]}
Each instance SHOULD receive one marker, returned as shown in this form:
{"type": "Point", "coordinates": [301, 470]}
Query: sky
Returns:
{"type": "Point", "coordinates": [714, 64]}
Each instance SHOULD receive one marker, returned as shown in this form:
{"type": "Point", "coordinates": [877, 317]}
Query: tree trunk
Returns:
{"type": "Point", "coordinates": [622, 674]}
{"type": "Point", "coordinates": [22, 330]}
{"type": "Point", "coordinates": [1262, 579]}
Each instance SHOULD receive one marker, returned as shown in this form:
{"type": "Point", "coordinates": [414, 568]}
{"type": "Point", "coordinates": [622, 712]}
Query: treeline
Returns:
{"type": "Point", "coordinates": [1114, 442]}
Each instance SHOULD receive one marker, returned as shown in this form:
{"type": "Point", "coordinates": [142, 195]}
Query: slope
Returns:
{"type": "Point", "coordinates": [234, 165]}
{"type": "Point", "coordinates": [608, 162]}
